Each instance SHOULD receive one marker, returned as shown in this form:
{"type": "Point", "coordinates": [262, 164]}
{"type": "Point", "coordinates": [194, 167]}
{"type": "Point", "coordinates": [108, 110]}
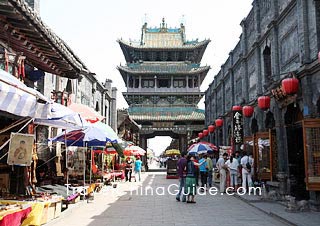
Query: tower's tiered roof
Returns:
{"type": "Point", "coordinates": [163, 75]}
{"type": "Point", "coordinates": [155, 43]}
{"type": "Point", "coordinates": [164, 68]}
{"type": "Point", "coordinates": [166, 114]}
{"type": "Point", "coordinates": [163, 39]}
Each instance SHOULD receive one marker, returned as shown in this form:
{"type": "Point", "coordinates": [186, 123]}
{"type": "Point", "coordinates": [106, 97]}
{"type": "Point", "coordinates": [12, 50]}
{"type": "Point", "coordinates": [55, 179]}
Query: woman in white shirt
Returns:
{"type": "Point", "coordinates": [233, 165]}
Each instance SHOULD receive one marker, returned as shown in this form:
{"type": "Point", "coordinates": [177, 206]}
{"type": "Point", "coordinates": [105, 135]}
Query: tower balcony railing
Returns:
{"type": "Point", "coordinates": [163, 90]}
{"type": "Point", "coordinates": [149, 128]}
{"type": "Point", "coordinates": [164, 107]}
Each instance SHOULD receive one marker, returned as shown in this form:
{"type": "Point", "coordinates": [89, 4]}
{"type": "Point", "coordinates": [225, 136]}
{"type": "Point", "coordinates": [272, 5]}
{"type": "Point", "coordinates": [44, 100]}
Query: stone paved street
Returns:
{"type": "Point", "coordinates": [121, 209]}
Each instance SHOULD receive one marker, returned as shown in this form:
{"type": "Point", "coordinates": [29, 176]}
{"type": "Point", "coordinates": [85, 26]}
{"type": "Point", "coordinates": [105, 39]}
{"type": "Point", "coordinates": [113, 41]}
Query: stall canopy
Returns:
{"type": "Point", "coordinates": [91, 135]}
{"type": "Point", "coordinates": [134, 150]}
{"type": "Point", "coordinates": [62, 117]}
{"type": "Point", "coordinates": [19, 99]}
{"type": "Point", "coordinates": [86, 112]}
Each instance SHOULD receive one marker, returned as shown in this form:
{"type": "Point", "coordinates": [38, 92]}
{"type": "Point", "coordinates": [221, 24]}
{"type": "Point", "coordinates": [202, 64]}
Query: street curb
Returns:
{"type": "Point", "coordinates": [273, 215]}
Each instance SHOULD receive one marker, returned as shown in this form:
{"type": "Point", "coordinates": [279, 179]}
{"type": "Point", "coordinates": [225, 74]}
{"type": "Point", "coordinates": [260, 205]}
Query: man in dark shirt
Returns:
{"type": "Point", "coordinates": [128, 170]}
{"type": "Point", "coordinates": [181, 165]}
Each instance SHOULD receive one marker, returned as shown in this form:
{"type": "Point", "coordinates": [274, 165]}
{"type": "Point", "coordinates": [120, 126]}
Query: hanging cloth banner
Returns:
{"type": "Point", "coordinates": [20, 149]}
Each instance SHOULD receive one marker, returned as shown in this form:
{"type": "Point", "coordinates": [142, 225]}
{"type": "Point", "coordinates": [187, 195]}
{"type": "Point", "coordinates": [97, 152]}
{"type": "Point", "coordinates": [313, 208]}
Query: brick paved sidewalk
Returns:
{"type": "Point", "coordinates": [277, 210]}
{"type": "Point", "coordinates": [122, 209]}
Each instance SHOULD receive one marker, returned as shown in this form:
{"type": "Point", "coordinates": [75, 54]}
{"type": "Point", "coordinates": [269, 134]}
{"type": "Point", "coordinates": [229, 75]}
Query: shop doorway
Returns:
{"type": "Point", "coordinates": [296, 163]}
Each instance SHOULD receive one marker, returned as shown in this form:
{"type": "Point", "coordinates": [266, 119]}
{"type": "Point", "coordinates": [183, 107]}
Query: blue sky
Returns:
{"type": "Point", "coordinates": [91, 29]}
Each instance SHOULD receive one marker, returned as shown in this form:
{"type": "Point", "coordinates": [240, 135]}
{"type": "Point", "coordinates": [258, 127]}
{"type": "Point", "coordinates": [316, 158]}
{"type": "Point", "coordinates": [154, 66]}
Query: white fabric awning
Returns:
{"type": "Point", "coordinates": [62, 117]}
{"type": "Point", "coordinates": [18, 99]}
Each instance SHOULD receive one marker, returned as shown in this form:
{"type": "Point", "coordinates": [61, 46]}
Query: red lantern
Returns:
{"type": "Point", "coordinates": [290, 85]}
{"type": "Point", "coordinates": [219, 122]}
{"type": "Point", "coordinates": [236, 108]}
{"type": "Point", "coordinates": [247, 111]}
{"type": "Point", "coordinates": [211, 128]}
{"type": "Point", "coordinates": [205, 132]}
{"type": "Point", "coordinates": [264, 102]}
{"type": "Point", "coordinates": [200, 135]}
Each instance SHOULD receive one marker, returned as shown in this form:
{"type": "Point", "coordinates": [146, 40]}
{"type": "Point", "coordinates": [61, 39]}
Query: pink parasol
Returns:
{"type": "Point", "coordinates": [86, 112]}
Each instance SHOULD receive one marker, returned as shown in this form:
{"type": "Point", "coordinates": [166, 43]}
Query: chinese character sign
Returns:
{"type": "Point", "coordinates": [237, 127]}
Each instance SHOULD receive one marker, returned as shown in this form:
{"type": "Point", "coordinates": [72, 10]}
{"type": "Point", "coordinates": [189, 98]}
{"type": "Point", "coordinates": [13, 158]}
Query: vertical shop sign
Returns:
{"type": "Point", "coordinates": [237, 127]}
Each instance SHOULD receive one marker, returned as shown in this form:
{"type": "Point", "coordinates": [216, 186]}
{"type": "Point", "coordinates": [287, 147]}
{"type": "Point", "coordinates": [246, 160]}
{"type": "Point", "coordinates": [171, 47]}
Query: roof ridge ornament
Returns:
{"type": "Point", "coordinates": [163, 26]}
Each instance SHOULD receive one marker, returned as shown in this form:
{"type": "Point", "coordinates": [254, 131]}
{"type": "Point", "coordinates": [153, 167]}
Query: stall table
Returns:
{"type": "Point", "coordinates": [14, 216]}
{"type": "Point", "coordinates": [41, 212]}
{"type": "Point", "coordinates": [114, 174]}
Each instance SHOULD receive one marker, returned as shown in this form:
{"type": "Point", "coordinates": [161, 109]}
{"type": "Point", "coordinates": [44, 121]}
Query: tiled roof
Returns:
{"type": "Point", "coordinates": [39, 44]}
{"type": "Point", "coordinates": [164, 68]}
{"type": "Point", "coordinates": [160, 114]}
{"type": "Point", "coordinates": [164, 44]}
{"type": "Point", "coordinates": [163, 37]}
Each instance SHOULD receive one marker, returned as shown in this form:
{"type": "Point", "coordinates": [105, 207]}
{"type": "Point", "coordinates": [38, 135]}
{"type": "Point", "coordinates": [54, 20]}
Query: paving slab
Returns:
{"type": "Point", "coordinates": [117, 207]}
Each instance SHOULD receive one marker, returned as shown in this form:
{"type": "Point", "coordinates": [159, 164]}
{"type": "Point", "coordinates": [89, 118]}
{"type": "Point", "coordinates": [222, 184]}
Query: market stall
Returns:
{"type": "Point", "coordinates": [172, 156]}
{"type": "Point", "coordinates": [22, 111]}
{"type": "Point", "coordinates": [13, 215]}
{"type": "Point", "coordinates": [42, 210]}
{"type": "Point", "coordinates": [105, 163]}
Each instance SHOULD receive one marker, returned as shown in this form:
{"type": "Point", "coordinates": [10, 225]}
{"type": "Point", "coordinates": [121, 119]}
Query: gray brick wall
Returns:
{"type": "Point", "coordinates": [291, 28]}
{"type": "Point", "coordinates": [313, 39]}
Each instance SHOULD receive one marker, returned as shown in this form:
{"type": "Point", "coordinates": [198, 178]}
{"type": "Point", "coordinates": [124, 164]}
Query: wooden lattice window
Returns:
{"type": "Point", "coordinates": [311, 135]}
{"type": "Point", "coordinates": [264, 149]}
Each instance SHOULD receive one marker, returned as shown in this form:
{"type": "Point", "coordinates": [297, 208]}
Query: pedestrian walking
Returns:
{"type": "Point", "coordinates": [181, 166]}
{"type": "Point", "coordinates": [251, 160]}
{"type": "Point", "coordinates": [165, 161]}
{"type": "Point", "coordinates": [203, 171]}
{"type": "Point", "coordinates": [137, 168]}
{"type": "Point", "coordinates": [128, 170]}
{"type": "Point", "coordinates": [247, 168]}
{"type": "Point", "coordinates": [197, 173]}
{"type": "Point", "coordinates": [210, 169]}
{"type": "Point", "coordinates": [190, 187]}
{"type": "Point", "coordinates": [233, 165]}
{"type": "Point", "coordinates": [222, 171]}
{"type": "Point", "coordinates": [214, 160]}
{"type": "Point", "coordinates": [161, 161]}
{"type": "Point", "coordinates": [238, 158]}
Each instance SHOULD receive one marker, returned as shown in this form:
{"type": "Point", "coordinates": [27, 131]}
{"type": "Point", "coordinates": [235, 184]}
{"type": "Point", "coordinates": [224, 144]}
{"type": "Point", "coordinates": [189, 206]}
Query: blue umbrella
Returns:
{"type": "Point", "coordinates": [199, 149]}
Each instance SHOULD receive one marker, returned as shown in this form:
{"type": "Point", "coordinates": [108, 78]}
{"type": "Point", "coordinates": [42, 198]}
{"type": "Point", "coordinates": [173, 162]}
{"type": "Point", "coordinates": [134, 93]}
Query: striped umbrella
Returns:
{"type": "Point", "coordinates": [198, 149]}
{"type": "Point", "coordinates": [92, 135]}
{"type": "Point", "coordinates": [211, 145]}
